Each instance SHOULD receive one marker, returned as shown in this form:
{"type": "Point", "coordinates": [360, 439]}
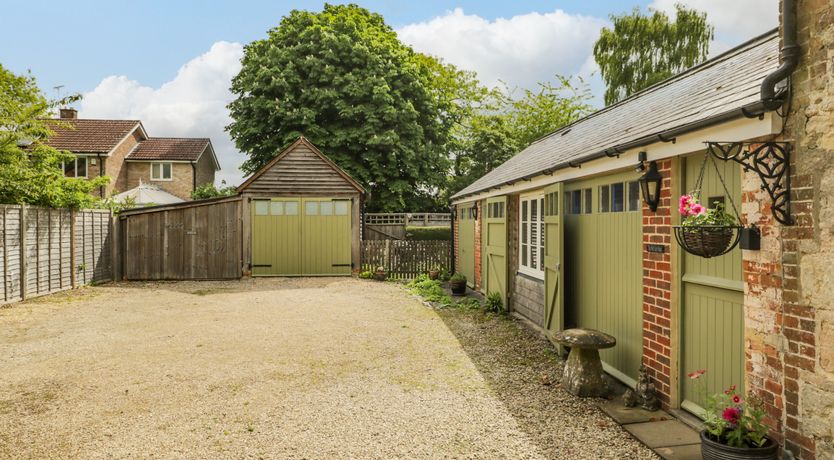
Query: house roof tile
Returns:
{"type": "Point", "coordinates": [169, 148]}
{"type": "Point", "coordinates": [89, 136]}
{"type": "Point", "coordinates": [719, 86]}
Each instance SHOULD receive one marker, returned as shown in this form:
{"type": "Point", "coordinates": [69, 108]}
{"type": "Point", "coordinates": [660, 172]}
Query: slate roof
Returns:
{"type": "Point", "coordinates": [717, 87]}
{"type": "Point", "coordinates": [170, 149]}
{"type": "Point", "coordinates": [87, 135]}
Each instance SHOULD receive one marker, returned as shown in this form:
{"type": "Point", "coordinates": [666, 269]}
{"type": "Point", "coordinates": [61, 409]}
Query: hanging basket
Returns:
{"type": "Point", "coordinates": [708, 241]}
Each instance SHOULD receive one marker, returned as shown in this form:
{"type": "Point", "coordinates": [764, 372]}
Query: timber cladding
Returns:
{"type": "Point", "coordinates": [197, 240]}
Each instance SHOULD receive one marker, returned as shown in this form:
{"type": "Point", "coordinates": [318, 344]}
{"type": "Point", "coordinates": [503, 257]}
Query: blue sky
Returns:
{"type": "Point", "coordinates": [169, 63]}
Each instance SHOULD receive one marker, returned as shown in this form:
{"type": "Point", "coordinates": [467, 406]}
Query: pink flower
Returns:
{"type": "Point", "coordinates": [731, 414]}
{"type": "Point", "coordinates": [697, 374]}
{"type": "Point", "coordinates": [683, 211]}
{"type": "Point", "coordinates": [684, 201]}
{"type": "Point", "coordinates": [698, 209]}
{"type": "Point", "coordinates": [736, 399]}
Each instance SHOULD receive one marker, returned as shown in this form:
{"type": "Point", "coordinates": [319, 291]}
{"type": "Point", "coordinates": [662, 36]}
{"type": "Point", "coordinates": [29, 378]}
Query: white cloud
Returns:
{"type": "Point", "coordinates": [521, 50]}
{"type": "Point", "coordinates": [735, 21]}
{"type": "Point", "coordinates": [192, 104]}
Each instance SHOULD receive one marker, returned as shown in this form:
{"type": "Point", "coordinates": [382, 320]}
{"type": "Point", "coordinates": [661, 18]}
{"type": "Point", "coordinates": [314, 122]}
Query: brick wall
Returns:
{"type": "Point", "coordinates": [115, 165]}
{"type": "Point", "coordinates": [789, 284]}
{"type": "Point", "coordinates": [181, 183]}
{"type": "Point", "coordinates": [205, 169]}
{"type": "Point", "coordinates": [657, 288]}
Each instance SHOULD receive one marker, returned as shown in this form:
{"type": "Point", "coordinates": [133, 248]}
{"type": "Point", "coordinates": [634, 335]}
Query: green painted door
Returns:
{"type": "Point", "coordinates": [466, 241]}
{"type": "Point", "coordinates": [603, 266]}
{"type": "Point", "coordinates": [276, 237]}
{"type": "Point", "coordinates": [495, 246]}
{"type": "Point", "coordinates": [712, 312]}
{"type": "Point", "coordinates": [554, 295]}
{"type": "Point", "coordinates": [301, 236]}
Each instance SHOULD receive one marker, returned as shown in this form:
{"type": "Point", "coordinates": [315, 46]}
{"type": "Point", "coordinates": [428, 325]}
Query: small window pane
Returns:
{"type": "Point", "coordinates": [261, 208]}
{"type": "Point", "coordinates": [291, 208]}
{"type": "Point", "coordinates": [81, 167]}
{"type": "Point", "coordinates": [311, 208]}
{"type": "Point", "coordinates": [576, 202]}
{"type": "Point", "coordinates": [633, 196]}
{"type": "Point", "coordinates": [714, 200]}
{"type": "Point", "coordinates": [341, 208]}
{"type": "Point", "coordinates": [155, 170]}
{"type": "Point", "coordinates": [276, 208]}
{"type": "Point", "coordinates": [326, 208]}
{"type": "Point", "coordinates": [166, 170]}
{"type": "Point", "coordinates": [524, 210]}
{"type": "Point", "coordinates": [524, 232]}
{"type": "Point", "coordinates": [617, 197]}
{"type": "Point", "coordinates": [604, 199]}
{"type": "Point", "coordinates": [524, 251]}
{"type": "Point", "coordinates": [589, 201]}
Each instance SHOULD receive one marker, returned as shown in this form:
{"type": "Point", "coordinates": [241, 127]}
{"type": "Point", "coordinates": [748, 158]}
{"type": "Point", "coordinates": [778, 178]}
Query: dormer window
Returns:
{"type": "Point", "coordinates": [161, 171]}
{"type": "Point", "coordinates": [76, 167]}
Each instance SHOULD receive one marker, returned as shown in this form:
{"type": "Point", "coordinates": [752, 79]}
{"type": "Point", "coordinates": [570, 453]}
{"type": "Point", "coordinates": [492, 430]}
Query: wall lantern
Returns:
{"type": "Point", "coordinates": [650, 183]}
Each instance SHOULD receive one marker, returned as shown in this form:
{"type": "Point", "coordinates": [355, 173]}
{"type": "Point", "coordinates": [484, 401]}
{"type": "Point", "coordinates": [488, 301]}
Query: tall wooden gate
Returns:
{"type": "Point", "coordinates": [553, 251]}
{"type": "Point", "coordinates": [466, 241]}
{"type": "Point", "coordinates": [495, 247]}
{"type": "Point", "coordinates": [712, 301]}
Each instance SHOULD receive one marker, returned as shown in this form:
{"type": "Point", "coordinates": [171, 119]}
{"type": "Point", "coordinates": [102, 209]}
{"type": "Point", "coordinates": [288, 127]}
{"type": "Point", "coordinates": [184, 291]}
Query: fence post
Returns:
{"type": "Point", "coordinates": [72, 249]}
{"type": "Point", "coordinates": [24, 225]}
{"type": "Point", "coordinates": [388, 255]}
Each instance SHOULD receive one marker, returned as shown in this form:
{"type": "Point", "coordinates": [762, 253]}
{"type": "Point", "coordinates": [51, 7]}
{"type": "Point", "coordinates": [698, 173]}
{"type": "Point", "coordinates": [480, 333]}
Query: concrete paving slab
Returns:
{"type": "Point", "coordinates": [663, 434]}
{"type": "Point", "coordinates": [626, 415]}
{"type": "Point", "coordinates": [687, 452]}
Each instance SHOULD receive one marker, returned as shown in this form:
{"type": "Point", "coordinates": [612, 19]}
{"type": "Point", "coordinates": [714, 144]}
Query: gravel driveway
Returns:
{"type": "Point", "coordinates": [282, 368]}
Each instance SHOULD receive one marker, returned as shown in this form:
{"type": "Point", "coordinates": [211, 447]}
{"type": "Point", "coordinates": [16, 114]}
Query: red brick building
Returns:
{"type": "Point", "coordinates": [123, 151]}
{"type": "Point", "coordinates": [564, 234]}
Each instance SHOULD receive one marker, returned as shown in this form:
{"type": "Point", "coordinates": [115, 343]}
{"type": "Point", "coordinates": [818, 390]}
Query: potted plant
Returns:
{"type": "Point", "coordinates": [434, 274]}
{"type": "Point", "coordinates": [735, 427]}
{"type": "Point", "coordinates": [706, 232]}
{"type": "Point", "coordinates": [379, 274]}
{"type": "Point", "coordinates": [458, 284]}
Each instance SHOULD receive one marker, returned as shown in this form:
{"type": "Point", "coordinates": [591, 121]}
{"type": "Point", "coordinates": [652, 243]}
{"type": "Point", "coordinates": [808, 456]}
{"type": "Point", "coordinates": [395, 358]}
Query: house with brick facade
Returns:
{"type": "Point", "coordinates": [565, 234]}
{"type": "Point", "coordinates": [122, 150]}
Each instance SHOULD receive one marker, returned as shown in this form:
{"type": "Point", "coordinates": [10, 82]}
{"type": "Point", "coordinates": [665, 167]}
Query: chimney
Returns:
{"type": "Point", "coordinates": [69, 114]}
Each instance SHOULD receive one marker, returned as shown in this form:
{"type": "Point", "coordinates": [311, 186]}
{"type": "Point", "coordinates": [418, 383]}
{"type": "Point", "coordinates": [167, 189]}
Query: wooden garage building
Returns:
{"type": "Point", "coordinates": [304, 215]}
{"type": "Point", "coordinates": [299, 215]}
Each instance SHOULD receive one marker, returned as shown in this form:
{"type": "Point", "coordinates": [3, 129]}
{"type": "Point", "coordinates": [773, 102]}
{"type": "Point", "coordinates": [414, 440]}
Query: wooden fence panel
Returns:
{"type": "Point", "coordinates": [194, 241]}
{"type": "Point", "coordinates": [36, 250]}
{"type": "Point", "coordinates": [406, 259]}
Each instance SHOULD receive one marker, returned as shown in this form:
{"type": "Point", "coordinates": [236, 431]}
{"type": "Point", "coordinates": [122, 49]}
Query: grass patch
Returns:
{"type": "Point", "coordinates": [428, 233]}
{"type": "Point", "coordinates": [432, 291]}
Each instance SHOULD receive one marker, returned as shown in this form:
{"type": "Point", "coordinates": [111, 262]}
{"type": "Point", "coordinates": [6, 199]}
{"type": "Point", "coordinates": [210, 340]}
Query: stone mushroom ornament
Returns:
{"type": "Point", "coordinates": [583, 375]}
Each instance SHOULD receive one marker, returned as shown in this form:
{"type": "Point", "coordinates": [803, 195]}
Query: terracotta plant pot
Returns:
{"type": "Point", "coordinates": [714, 450]}
{"type": "Point", "coordinates": [379, 274]}
{"type": "Point", "coordinates": [433, 274]}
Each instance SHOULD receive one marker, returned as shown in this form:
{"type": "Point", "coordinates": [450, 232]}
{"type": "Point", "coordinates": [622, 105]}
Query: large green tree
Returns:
{"type": "Point", "coordinates": [641, 50]}
{"type": "Point", "coordinates": [342, 78]}
{"type": "Point", "coordinates": [30, 170]}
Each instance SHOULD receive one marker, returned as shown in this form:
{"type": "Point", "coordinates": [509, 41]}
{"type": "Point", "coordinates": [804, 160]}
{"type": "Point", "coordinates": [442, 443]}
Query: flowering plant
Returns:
{"type": "Point", "coordinates": [696, 215]}
{"type": "Point", "coordinates": [731, 420]}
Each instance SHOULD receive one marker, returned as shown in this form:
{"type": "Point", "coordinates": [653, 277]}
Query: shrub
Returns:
{"type": "Point", "coordinates": [366, 275]}
{"type": "Point", "coordinates": [457, 278]}
{"type": "Point", "coordinates": [467, 303]}
{"type": "Point", "coordinates": [494, 303]}
{"type": "Point", "coordinates": [428, 233]}
{"type": "Point", "coordinates": [430, 290]}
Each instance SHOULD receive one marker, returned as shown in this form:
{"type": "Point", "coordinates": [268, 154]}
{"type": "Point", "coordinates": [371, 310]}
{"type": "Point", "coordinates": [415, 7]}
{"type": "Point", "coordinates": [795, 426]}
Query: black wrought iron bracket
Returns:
{"type": "Point", "coordinates": [771, 161]}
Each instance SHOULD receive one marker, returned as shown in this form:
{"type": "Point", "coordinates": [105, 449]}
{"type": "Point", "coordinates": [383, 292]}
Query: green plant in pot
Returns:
{"type": "Point", "coordinates": [457, 283]}
{"type": "Point", "coordinates": [735, 427]}
{"type": "Point", "coordinates": [379, 274]}
{"type": "Point", "coordinates": [706, 232]}
{"type": "Point", "coordinates": [434, 274]}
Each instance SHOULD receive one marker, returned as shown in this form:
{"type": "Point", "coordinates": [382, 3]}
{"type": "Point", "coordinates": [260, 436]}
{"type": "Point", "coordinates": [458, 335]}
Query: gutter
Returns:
{"type": "Point", "coordinates": [101, 172]}
{"type": "Point", "coordinates": [770, 100]}
{"type": "Point", "coordinates": [193, 176]}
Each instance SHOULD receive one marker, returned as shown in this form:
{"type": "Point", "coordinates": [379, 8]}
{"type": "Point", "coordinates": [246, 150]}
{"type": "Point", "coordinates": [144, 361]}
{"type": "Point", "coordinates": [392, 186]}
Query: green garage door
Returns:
{"type": "Point", "coordinates": [495, 247]}
{"type": "Point", "coordinates": [604, 266]}
{"type": "Point", "coordinates": [712, 316]}
{"type": "Point", "coordinates": [301, 236]}
{"type": "Point", "coordinates": [466, 241]}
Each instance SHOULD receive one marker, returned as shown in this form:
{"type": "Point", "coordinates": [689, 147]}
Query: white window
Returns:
{"type": "Point", "coordinates": [531, 236]}
{"type": "Point", "coordinates": [76, 167]}
{"type": "Point", "coordinates": [161, 171]}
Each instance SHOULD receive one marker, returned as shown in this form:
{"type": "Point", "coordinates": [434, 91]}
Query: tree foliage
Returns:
{"type": "Point", "coordinates": [31, 171]}
{"type": "Point", "coordinates": [207, 191]}
{"type": "Point", "coordinates": [642, 50]}
{"type": "Point", "coordinates": [342, 78]}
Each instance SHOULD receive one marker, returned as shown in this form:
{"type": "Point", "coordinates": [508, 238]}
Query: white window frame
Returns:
{"type": "Point", "coordinates": [75, 160]}
{"type": "Point", "coordinates": [161, 170]}
{"type": "Point", "coordinates": [535, 272]}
